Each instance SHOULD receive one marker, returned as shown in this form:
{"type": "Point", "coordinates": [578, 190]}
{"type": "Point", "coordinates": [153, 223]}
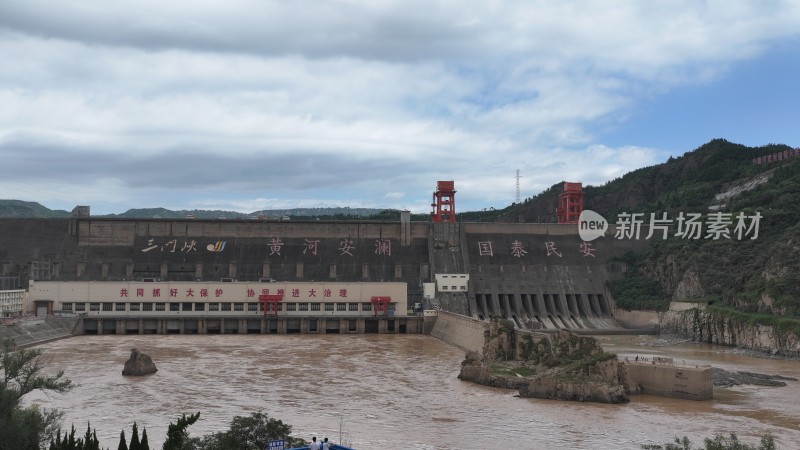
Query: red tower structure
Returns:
{"type": "Point", "coordinates": [380, 304]}
{"type": "Point", "coordinates": [270, 302]}
{"type": "Point", "coordinates": [444, 202]}
{"type": "Point", "coordinates": [570, 203]}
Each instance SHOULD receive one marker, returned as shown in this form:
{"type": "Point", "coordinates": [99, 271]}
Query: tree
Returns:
{"type": "Point", "coordinates": [89, 441]}
{"type": "Point", "coordinates": [719, 442]}
{"type": "Point", "coordinates": [249, 433]}
{"type": "Point", "coordinates": [31, 427]}
{"type": "Point", "coordinates": [177, 434]}
{"type": "Point", "coordinates": [144, 445]}
{"type": "Point", "coordinates": [123, 444]}
{"type": "Point", "coordinates": [135, 444]}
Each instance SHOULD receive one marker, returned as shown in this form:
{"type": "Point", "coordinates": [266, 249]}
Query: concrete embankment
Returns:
{"type": "Point", "coordinates": [664, 379]}
{"type": "Point", "coordinates": [463, 332]}
{"type": "Point", "coordinates": [29, 333]}
{"type": "Point", "coordinates": [717, 328]}
{"type": "Point", "coordinates": [605, 380]}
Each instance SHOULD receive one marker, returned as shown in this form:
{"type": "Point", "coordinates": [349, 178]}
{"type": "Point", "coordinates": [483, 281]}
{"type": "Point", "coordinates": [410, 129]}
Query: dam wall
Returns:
{"type": "Point", "coordinates": [539, 276]}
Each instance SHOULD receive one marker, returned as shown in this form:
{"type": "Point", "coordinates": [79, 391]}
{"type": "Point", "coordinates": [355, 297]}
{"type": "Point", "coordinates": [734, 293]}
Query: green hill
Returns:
{"type": "Point", "coordinates": [19, 208]}
{"type": "Point", "coordinates": [760, 276]}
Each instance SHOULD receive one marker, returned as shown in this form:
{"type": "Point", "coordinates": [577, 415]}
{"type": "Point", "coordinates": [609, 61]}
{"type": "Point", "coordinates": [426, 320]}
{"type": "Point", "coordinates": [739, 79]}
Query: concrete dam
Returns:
{"type": "Point", "coordinates": [540, 276]}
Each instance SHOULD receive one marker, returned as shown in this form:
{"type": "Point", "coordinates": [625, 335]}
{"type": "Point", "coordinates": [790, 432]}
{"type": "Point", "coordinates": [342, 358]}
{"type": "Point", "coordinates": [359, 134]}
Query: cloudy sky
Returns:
{"type": "Point", "coordinates": [256, 104]}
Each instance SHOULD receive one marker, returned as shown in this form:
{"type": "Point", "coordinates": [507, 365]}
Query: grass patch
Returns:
{"type": "Point", "coordinates": [780, 323]}
{"type": "Point", "coordinates": [513, 371]}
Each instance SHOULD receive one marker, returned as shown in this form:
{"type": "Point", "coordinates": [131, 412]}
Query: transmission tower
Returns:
{"type": "Point", "coordinates": [519, 200]}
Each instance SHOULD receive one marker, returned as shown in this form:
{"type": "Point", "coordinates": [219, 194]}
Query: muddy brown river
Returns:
{"type": "Point", "coordinates": [394, 391]}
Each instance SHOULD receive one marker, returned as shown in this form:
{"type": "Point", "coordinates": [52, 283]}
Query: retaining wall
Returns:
{"type": "Point", "coordinates": [28, 333]}
{"type": "Point", "coordinates": [666, 380]}
{"type": "Point", "coordinates": [460, 331]}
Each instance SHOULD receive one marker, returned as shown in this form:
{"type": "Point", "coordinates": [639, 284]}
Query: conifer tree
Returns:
{"type": "Point", "coordinates": [90, 441]}
{"type": "Point", "coordinates": [135, 445]}
{"type": "Point", "coordinates": [144, 445]}
{"type": "Point", "coordinates": [123, 445]}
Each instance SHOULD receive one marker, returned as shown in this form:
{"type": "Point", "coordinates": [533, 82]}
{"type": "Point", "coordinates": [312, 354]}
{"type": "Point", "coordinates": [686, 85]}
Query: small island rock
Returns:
{"type": "Point", "coordinates": [139, 364]}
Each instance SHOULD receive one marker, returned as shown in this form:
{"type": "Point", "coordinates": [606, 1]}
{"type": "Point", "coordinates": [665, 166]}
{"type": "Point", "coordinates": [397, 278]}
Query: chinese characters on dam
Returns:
{"type": "Point", "coordinates": [192, 293]}
{"type": "Point", "coordinates": [592, 225]}
{"type": "Point", "coordinates": [346, 247]}
{"type": "Point", "coordinates": [519, 249]}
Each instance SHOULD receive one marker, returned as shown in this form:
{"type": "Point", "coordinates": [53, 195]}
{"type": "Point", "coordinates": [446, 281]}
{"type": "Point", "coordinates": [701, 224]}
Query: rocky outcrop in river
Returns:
{"type": "Point", "coordinates": [559, 366]}
{"type": "Point", "coordinates": [718, 328]}
{"type": "Point", "coordinates": [139, 364]}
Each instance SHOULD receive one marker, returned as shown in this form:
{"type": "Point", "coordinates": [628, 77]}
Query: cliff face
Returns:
{"type": "Point", "coordinates": [561, 366]}
{"type": "Point", "coordinates": [717, 328]}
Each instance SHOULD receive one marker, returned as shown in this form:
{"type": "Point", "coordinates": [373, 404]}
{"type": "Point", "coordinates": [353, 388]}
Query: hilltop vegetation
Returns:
{"type": "Point", "coordinates": [20, 209]}
{"type": "Point", "coordinates": [760, 276]}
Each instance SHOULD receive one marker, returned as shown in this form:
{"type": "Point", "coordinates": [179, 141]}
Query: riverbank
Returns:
{"type": "Point", "coordinates": [31, 332]}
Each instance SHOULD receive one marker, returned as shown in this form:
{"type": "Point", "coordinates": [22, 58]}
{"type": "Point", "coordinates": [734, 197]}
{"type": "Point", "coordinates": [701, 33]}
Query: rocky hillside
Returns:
{"type": "Point", "coordinates": [758, 280]}
{"type": "Point", "coordinates": [559, 366]}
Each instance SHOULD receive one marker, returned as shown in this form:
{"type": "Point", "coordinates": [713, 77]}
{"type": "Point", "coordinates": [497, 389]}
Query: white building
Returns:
{"type": "Point", "coordinates": [11, 303]}
{"type": "Point", "coordinates": [144, 298]}
{"type": "Point", "coordinates": [452, 282]}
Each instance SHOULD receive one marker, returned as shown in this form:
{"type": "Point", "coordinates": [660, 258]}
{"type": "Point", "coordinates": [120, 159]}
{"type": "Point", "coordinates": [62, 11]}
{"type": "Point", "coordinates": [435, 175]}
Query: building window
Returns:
{"type": "Point", "coordinates": [291, 306]}
{"type": "Point", "coordinates": [329, 306]}
{"type": "Point", "coordinates": [455, 288]}
{"type": "Point", "coordinates": [252, 306]}
{"type": "Point", "coordinates": [147, 306]}
{"type": "Point", "coordinates": [303, 306]}
{"type": "Point", "coordinates": [341, 306]}
{"type": "Point", "coordinates": [94, 306]}
{"type": "Point", "coordinates": [238, 306]}
{"type": "Point", "coordinates": [119, 307]}
{"type": "Point", "coordinates": [108, 306]}
{"type": "Point", "coordinates": [275, 307]}
{"type": "Point", "coordinates": [315, 306]}
{"type": "Point", "coordinates": [80, 306]}
{"type": "Point", "coordinates": [66, 306]}
{"type": "Point", "coordinates": [174, 306]}
{"type": "Point", "coordinates": [352, 307]}
{"type": "Point", "coordinates": [444, 288]}
{"type": "Point", "coordinates": [161, 306]}
{"type": "Point", "coordinates": [226, 306]}
{"type": "Point", "coordinates": [366, 306]}
{"type": "Point", "coordinates": [392, 306]}
{"type": "Point", "coordinates": [199, 306]}
{"type": "Point", "coordinates": [135, 306]}
{"type": "Point", "coordinates": [213, 306]}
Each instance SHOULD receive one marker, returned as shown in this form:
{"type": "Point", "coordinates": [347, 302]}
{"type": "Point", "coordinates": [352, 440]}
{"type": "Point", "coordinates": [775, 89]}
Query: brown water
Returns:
{"type": "Point", "coordinates": [394, 392]}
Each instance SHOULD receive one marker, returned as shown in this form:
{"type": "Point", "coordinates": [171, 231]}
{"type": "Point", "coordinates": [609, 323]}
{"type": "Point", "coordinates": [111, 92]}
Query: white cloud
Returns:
{"type": "Point", "coordinates": [357, 102]}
